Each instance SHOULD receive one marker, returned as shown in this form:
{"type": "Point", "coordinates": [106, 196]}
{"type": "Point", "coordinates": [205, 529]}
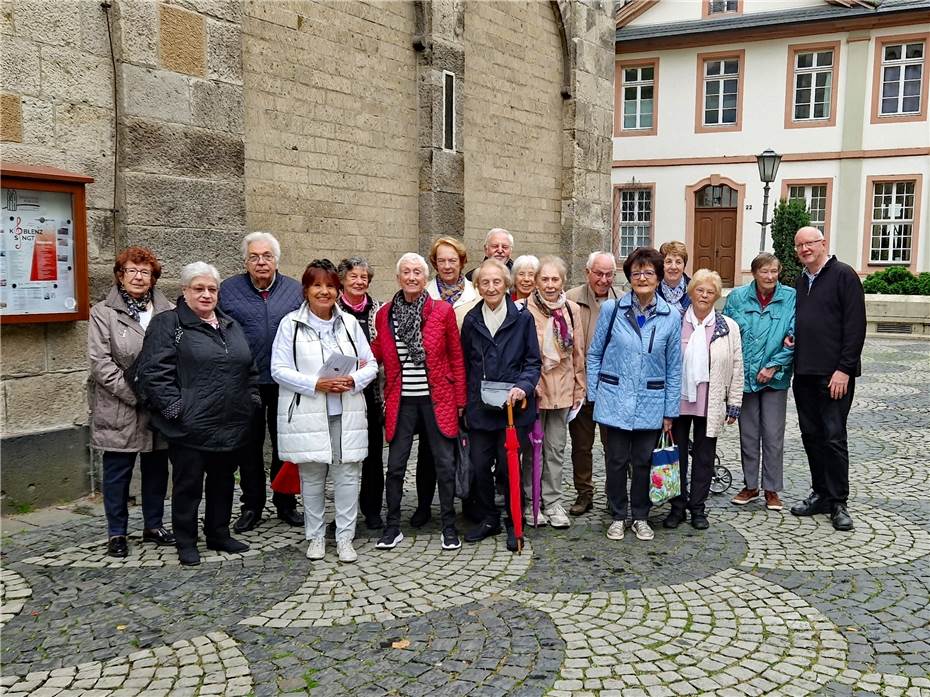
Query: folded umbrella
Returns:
{"type": "Point", "coordinates": [536, 438]}
{"type": "Point", "coordinates": [512, 444]}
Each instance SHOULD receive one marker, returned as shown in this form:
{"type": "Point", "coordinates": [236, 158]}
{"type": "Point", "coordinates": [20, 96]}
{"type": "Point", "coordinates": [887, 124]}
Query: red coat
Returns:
{"type": "Point", "coordinates": [445, 366]}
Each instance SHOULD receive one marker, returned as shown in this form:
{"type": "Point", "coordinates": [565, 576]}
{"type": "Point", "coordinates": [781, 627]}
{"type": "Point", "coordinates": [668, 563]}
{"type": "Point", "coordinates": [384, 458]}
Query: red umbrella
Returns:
{"type": "Point", "coordinates": [512, 443]}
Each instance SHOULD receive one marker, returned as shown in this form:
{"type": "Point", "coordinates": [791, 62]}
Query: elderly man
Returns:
{"type": "Point", "coordinates": [497, 244]}
{"type": "Point", "coordinates": [829, 334]}
{"type": "Point", "coordinates": [599, 270]}
{"type": "Point", "coordinates": [257, 300]}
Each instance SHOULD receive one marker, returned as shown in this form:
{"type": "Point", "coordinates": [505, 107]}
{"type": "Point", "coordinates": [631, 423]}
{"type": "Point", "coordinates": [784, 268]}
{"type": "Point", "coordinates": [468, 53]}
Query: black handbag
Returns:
{"type": "Point", "coordinates": [463, 466]}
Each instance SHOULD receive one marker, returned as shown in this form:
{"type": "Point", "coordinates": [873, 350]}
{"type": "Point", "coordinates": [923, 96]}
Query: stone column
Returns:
{"type": "Point", "coordinates": [439, 42]}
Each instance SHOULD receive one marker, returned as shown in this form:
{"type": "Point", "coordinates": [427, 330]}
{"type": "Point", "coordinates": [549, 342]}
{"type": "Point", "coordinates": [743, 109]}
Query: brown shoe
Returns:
{"type": "Point", "coordinates": [772, 502]}
{"type": "Point", "coordinates": [745, 496]}
{"type": "Point", "coordinates": [582, 504]}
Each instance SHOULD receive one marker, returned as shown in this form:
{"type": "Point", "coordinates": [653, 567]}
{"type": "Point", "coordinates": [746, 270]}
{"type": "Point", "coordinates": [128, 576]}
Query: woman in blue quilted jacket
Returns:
{"type": "Point", "coordinates": [634, 379]}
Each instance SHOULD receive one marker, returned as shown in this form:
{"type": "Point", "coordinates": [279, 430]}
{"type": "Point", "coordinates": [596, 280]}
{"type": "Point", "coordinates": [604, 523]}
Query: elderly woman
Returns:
{"type": "Point", "coordinates": [764, 311]}
{"type": "Point", "coordinates": [711, 392]}
{"type": "Point", "coordinates": [500, 345]}
{"type": "Point", "coordinates": [119, 424]}
{"type": "Point", "coordinates": [561, 387]}
{"type": "Point", "coordinates": [673, 287]}
{"type": "Point", "coordinates": [197, 375]}
{"type": "Point", "coordinates": [634, 379]}
{"type": "Point", "coordinates": [355, 275]}
{"type": "Point", "coordinates": [322, 426]}
{"type": "Point", "coordinates": [524, 273]}
{"type": "Point", "coordinates": [418, 345]}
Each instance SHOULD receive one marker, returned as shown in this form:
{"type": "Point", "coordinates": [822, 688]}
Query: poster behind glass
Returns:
{"type": "Point", "coordinates": [37, 255]}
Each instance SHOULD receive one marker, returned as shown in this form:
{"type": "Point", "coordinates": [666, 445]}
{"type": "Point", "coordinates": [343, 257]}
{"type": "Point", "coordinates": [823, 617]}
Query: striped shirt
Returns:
{"type": "Point", "coordinates": [413, 377]}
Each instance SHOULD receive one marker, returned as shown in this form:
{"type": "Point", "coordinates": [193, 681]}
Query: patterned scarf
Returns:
{"type": "Point", "coordinates": [357, 309]}
{"type": "Point", "coordinates": [451, 294]}
{"type": "Point", "coordinates": [409, 320]}
{"type": "Point", "coordinates": [674, 295]}
{"type": "Point", "coordinates": [557, 335]}
{"type": "Point", "coordinates": [135, 305]}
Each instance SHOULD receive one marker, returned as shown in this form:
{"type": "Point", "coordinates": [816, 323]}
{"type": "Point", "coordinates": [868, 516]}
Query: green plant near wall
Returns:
{"type": "Point", "coordinates": [788, 217]}
{"type": "Point", "coordinates": [897, 280]}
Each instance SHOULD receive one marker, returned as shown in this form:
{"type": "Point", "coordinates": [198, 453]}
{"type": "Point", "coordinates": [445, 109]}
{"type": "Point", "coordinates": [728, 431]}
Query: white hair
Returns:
{"type": "Point", "coordinates": [498, 231]}
{"type": "Point", "coordinates": [413, 258]}
{"type": "Point", "coordinates": [526, 261]}
{"type": "Point", "coordinates": [197, 269]}
{"type": "Point", "coordinates": [261, 237]}
{"type": "Point", "coordinates": [592, 257]}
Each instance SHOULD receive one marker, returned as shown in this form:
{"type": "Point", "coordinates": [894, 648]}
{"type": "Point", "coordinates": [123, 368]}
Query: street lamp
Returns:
{"type": "Point", "coordinates": [768, 163]}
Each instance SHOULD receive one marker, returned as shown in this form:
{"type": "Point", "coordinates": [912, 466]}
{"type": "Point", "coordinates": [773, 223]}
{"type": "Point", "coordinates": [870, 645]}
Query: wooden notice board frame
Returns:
{"type": "Point", "coordinates": [32, 178]}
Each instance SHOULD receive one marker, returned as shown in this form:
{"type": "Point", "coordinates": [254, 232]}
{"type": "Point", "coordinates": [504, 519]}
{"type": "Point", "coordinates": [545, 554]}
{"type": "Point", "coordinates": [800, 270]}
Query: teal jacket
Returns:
{"type": "Point", "coordinates": [763, 333]}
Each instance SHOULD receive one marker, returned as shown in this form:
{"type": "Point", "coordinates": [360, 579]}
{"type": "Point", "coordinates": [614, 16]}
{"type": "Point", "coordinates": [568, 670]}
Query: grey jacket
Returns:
{"type": "Point", "coordinates": [114, 339]}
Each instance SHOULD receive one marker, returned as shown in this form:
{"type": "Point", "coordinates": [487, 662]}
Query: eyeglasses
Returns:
{"type": "Point", "coordinates": [255, 258]}
{"type": "Point", "coordinates": [197, 290]}
{"type": "Point", "coordinates": [601, 274]}
{"type": "Point", "coordinates": [812, 243]}
{"type": "Point", "coordinates": [143, 273]}
{"type": "Point", "coordinates": [642, 274]}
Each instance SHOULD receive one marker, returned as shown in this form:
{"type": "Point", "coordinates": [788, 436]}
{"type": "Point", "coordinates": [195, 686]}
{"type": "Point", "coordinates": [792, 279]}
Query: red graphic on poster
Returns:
{"type": "Point", "coordinates": [44, 263]}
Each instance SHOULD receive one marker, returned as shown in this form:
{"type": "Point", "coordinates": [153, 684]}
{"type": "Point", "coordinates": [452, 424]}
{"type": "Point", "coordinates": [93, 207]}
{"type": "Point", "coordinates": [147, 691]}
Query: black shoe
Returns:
{"type": "Point", "coordinates": [160, 536]}
{"type": "Point", "coordinates": [511, 540]}
{"type": "Point", "coordinates": [229, 545]}
{"type": "Point", "coordinates": [373, 522]}
{"type": "Point", "coordinates": [450, 539]}
{"type": "Point", "coordinates": [188, 556]}
{"type": "Point", "coordinates": [291, 517]}
{"type": "Point", "coordinates": [699, 521]}
{"type": "Point", "coordinates": [421, 517]}
{"type": "Point", "coordinates": [812, 505]}
{"type": "Point", "coordinates": [118, 547]}
{"type": "Point", "coordinates": [840, 518]}
{"type": "Point", "coordinates": [248, 520]}
{"type": "Point", "coordinates": [674, 519]}
{"type": "Point", "coordinates": [482, 532]}
{"type": "Point", "coordinates": [390, 539]}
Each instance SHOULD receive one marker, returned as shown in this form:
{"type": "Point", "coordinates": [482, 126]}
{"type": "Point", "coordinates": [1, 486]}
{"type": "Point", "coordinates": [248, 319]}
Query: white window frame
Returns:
{"type": "Point", "coordinates": [902, 64]}
{"type": "Point", "coordinates": [445, 114]}
{"type": "Point", "coordinates": [807, 195]}
{"type": "Point", "coordinates": [726, 7]}
{"type": "Point", "coordinates": [815, 70]}
{"type": "Point", "coordinates": [893, 219]}
{"type": "Point", "coordinates": [721, 79]}
{"type": "Point", "coordinates": [638, 85]}
{"type": "Point", "coordinates": [640, 222]}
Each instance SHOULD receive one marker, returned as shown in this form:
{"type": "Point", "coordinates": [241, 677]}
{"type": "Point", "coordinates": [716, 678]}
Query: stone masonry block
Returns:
{"type": "Point", "coordinates": [39, 122]}
{"type": "Point", "coordinates": [176, 247]}
{"type": "Point", "coordinates": [83, 128]}
{"type": "Point", "coordinates": [72, 75]}
{"type": "Point", "coordinates": [182, 40]}
{"type": "Point", "coordinates": [42, 402]}
{"type": "Point", "coordinates": [162, 148]}
{"type": "Point", "coordinates": [230, 10]}
{"type": "Point", "coordinates": [7, 25]}
{"type": "Point", "coordinates": [224, 52]}
{"type": "Point", "coordinates": [184, 203]}
{"type": "Point", "coordinates": [11, 118]}
{"type": "Point", "coordinates": [20, 71]}
{"type": "Point", "coordinates": [23, 349]}
{"type": "Point", "coordinates": [57, 23]}
{"type": "Point", "coordinates": [137, 22]}
{"type": "Point", "coordinates": [66, 345]}
{"type": "Point", "coordinates": [93, 20]}
{"type": "Point", "coordinates": [156, 94]}
{"type": "Point", "coordinates": [100, 242]}
{"type": "Point", "coordinates": [218, 105]}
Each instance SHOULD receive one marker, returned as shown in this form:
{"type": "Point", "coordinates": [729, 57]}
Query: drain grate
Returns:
{"type": "Point", "coordinates": [894, 328]}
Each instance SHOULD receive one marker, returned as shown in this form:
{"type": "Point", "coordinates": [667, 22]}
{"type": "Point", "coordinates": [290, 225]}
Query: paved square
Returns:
{"type": "Point", "coordinates": [762, 602]}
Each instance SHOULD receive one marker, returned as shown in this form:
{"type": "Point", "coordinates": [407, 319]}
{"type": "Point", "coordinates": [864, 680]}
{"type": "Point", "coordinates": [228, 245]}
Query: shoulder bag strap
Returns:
{"type": "Point", "coordinates": [610, 328]}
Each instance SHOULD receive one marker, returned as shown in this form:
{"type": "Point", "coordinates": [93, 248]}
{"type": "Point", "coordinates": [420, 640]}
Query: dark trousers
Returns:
{"type": "Point", "coordinates": [426, 473]}
{"type": "Point", "coordinates": [117, 474]}
{"type": "Point", "coordinates": [189, 468]}
{"type": "Point", "coordinates": [489, 460]}
{"type": "Point", "coordinates": [371, 493]}
{"type": "Point", "coordinates": [414, 412]}
{"type": "Point", "coordinates": [624, 450]}
{"type": "Point", "coordinates": [704, 450]}
{"type": "Point", "coordinates": [823, 431]}
{"type": "Point", "coordinates": [252, 469]}
{"type": "Point", "coordinates": [581, 429]}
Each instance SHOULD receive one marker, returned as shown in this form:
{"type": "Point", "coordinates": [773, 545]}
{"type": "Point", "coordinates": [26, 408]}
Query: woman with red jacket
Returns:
{"type": "Point", "coordinates": [417, 343]}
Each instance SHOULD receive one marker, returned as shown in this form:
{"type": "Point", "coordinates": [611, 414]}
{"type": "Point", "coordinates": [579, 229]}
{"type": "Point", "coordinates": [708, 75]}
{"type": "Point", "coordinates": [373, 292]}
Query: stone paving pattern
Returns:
{"type": "Point", "coordinates": [761, 603]}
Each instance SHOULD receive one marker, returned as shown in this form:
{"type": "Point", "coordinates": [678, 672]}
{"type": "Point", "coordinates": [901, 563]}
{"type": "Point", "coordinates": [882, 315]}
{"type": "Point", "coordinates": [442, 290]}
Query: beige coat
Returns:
{"type": "Point", "coordinates": [725, 389]}
{"type": "Point", "coordinates": [564, 385]}
{"type": "Point", "coordinates": [114, 339]}
{"type": "Point", "coordinates": [590, 308]}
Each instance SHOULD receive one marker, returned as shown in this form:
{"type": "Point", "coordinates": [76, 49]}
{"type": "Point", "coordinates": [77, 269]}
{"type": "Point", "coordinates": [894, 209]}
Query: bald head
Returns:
{"type": "Point", "coordinates": [810, 247]}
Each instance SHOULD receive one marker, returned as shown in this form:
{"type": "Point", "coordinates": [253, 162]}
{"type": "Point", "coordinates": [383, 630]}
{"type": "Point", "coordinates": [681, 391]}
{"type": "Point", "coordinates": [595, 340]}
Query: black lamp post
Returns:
{"type": "Point", "coordinates": [768, 163]}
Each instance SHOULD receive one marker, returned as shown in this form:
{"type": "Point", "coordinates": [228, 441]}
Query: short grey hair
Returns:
{"type": "Point", "coordinates": [197, 269]}
{"type": "Point", "coordinates": [592, 257]}
{"type": "Point", "coordinates": [413, 258]}
{"type": "Point", "coordinates": [526, 261]}
{"type": "Point", "coordinates": [350, 263]}
{"type": "Point", "coordinates": [498, 231]}
{"type": "Point", "coordinates": [261, 237]}
{"type": "Point", "coordinates": [557, 262]}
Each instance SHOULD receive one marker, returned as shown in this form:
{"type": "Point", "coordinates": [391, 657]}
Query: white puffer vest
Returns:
{"type": "Point", "coordinates": [303, 423]}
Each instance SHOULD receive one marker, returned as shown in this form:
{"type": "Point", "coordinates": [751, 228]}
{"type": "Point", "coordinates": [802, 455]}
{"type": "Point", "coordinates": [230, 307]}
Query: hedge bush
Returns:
{"type": "Point", "coordinates": [897, 280]}
{"type": "Point", "coordinates": [788, 218]}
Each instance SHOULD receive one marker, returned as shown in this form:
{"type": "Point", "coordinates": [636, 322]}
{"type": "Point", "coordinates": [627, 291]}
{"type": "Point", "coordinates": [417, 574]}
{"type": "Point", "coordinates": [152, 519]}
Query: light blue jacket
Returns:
{"type": "Point", "coordinates": [763, 333]}
{"type": "Point", "coordinates": [637, 380]}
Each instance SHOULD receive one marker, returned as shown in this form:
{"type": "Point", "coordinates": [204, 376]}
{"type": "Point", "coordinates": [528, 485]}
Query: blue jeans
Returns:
{"type": "Point", "coordinates": [117, 474]}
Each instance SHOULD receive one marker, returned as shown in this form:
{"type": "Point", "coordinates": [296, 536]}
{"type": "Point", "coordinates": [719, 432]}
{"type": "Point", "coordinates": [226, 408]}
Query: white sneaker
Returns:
{"type": "Point", "coordinates": [346, 551]}
{"type": "Point", "coordinates": [558, 518]}
{"type": "Point", "coordinates": [642, 530]}
{"type": "Point", "coordinates": [528, 517]}
{"type": "Point", "coordinates": [615, 531]}
{"type": "Point", "coordinates": [316, 549]}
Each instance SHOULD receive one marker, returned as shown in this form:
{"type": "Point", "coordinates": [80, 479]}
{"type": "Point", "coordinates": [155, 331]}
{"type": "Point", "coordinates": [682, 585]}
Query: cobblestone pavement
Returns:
{"type": "Point", "coordinates": [762, 602]}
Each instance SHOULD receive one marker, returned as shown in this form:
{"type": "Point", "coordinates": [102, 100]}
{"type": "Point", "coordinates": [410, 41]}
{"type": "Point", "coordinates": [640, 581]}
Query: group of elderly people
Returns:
{"type": "Point", "coordinates": [198, 382]}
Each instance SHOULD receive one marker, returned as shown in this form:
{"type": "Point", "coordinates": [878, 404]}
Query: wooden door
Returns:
{"type": "Point", "coordinates": [715, 242]}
